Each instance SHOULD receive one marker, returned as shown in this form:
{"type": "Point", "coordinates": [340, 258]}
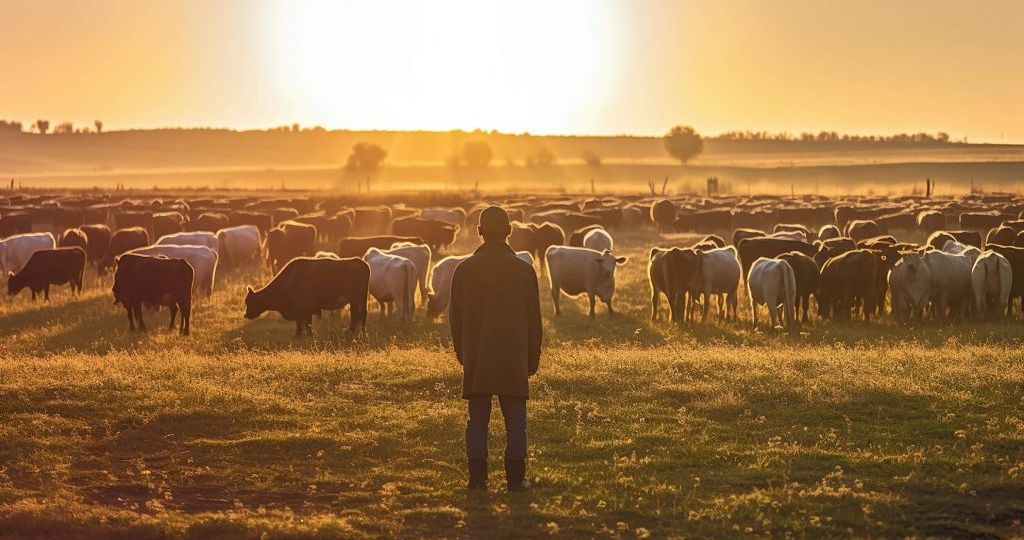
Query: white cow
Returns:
{"type": "Point", "coordinates": [239, 246]}
{"type": "Point", "coordinates": [196, 238]}
{"type": "Point", "coordinates": [956, 248]}
{"type": "Point", "coordinates": [16, 250]}
{"type": "Point", "coordinates": [910, 283]}
{"type": "Point", "coordinates": [420, 256]}
{"type": "Point", "coordinates": [392, 279]}
{"type": "Point", "coordinates": [720, 273]}
{"type": "Point", "coordinates": [202, 259]}
{"type": "Point", "coordinates": [950, 281]}
{"type": "Point", "coordinates": [579, 270]}
{"type": "Point", "coordinates": [598, 240]}
{"type": "Point", "coordinates": [440, 294]}
{"type": "Point", "coordinates": [772, 282]}
{"type": "Point", "coordinates": [991, 278]}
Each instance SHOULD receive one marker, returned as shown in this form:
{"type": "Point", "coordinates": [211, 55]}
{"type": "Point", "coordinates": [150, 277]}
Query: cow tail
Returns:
{"type": "Point", "coordinates": [410, 288]}
{"type": "Point", "coordinates": [789, 289]}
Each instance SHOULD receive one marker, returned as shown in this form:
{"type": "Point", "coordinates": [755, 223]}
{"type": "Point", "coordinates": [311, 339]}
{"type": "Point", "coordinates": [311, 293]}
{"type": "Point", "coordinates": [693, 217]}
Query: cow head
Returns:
{"type": "Point", "coordinates": [604, 272]}
{"type": "Point", "coordinates": [13, 287]}
{"type": "Point", "coordinates": [253, 306]}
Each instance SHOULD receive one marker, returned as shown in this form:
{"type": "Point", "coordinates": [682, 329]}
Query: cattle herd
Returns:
{"type": "Point", "coordinates": [907, 257]}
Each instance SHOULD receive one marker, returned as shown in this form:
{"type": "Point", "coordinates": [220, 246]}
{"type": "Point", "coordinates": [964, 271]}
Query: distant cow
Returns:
{"type": "Point", "coordinates": [582, 271]}
{"type": "Point", "coordinates": [860, 229]}
{"type": "Point", "coordinates": [356, 246]}
{"type": "Point", "coordinates": [239, 246]}
{"type": "Point", "coordinates": [420, 256]}
{"type": "Point", "coordinates": [827, 232]}
{"type": "Point", "coordinates": [742, 234]}
{"type": "Point", "coordinates": [202, 259]}
{"type": "Point", "coordinates": [122, 241]}
{"type": "Point", "coordinates": [98, 238]}
{"type": "Point", "coordinates": [435, 233]}
{"type": "Point", "coordinates": [153, 281]}
{"type": "Point", "coordinates": [939, 238]}
{"type": "Point", "coordinates": [805, 234]}
{"type": "Point", "coordinates": [991, 279]}
{"type": "Point", "coordinates": [74, 238]}
{"type": "Point", "coordinates": [846, 282]}
{"type": "Point", "coordinates": [49, 267]}
{"type": "Point", "coordinates": [16, 250]}
{"type": "Point", "coordinates": [392, 279]}
{"type": "Point", "coordinates": [751, 249]}
{"type": "Point", "coordinates": [288, 240]}
{"type": "Point", "coordinates": [576, 238]}
{"type": "Point", "coordinates": [15, 223]}
{"type": "Point", "coordinates": [210, 222]}
{"type": "Point", "coordinates": [981, 221]}
{"type": "Point", "coordinates": [663, 214]}
{"type": "Point", "coordinates": [1002, 235]}
{"type": "Point", "coordinates": [306, 286]}
{"type": "Point", "coordinates": [455, 216]}
{"type": "Point", "coordinates": [167, 223]}
{"type": "Point", "coordinates": [598, 240]}
{"type": "Point", "coordinates": [805, 272]}
{"type": "Point", "coordinates": [195, 238]}
{"type": "Point", "coordinates": [771, 282]}
{"type": "Point", "coordinates": [930, 221]}
{"type": "Point", "coordinates": [124, 220]}
{"type": "Point", "coordinates": [372, 220]}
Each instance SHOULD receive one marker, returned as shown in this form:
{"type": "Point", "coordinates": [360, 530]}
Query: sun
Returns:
{"type": "Point", "coordinates": [526, 66]}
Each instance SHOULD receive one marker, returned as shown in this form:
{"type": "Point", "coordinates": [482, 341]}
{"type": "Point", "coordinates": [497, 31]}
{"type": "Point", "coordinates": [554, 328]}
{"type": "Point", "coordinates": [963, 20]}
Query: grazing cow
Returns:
{"type": "Point", "coordinates": [991, 279]}
{"type": "Point", "coordinates": [392, 279]}
{"type": "Point", "coordinates": [674, 272]}
{"type": "Point", "coordinates": [847, 281]}
{"type": "Point", "coordinates": [16, 250]}
{"type": "Point", "coordinates": [288, 240]}
{"type": "Point", "coordinates": [939, 238]}
{"type": "Point", "coordinates": [165, 223]}
{"type": "Point", "coordinates": [663, 214]}
{"type": "Point", "coordinates": [719, 274]}
{"type": "Point", "coordinates": [930, 221]}
{"type": "Point", "coordinates": [239, 246]}
{"type": "Point", "coordinates": [1002, 235]}
{"type": "Point", "coordinates": [576, 238]}
{"type": "Point", "coordinates": [356, 246]}
{"type": "Point", "coordinates": [153, 281]}
{"type": "Point", "coordinates": [751, 249]}
{"type": "Point", "coordinates": [805, 234]}
{"type": "Point", "coordinates": [806, 273]}
{"type": "Point", "coordinates": [307, 285]}
{"type": "Point", "coordinates": [74, 238]}
{"type": "Point", "coordinates": [598, 240]}
{"type": "Point", "coordinates": [420, 256]}
{"type": "Point", "coordinates": [49, 267]}
{"type": "Point", "coordinates": [522, 236]}
{"type": "Point", "coordinates": [828, 232]}
{"type": "Point", "coordinates": [196, 238]}
{"type": "Point", "coordinates": [372, 220]}
{"type": "Point", "coordinates": [862, 229]}
{"type": "Point", "coordinates": [1015, 256]}
{"type": "Point", "coordinates": [742, 234]}
{"type": "Point", "coordinates": [582, 271]}
{"type": "Point", "coordinates": [950, 282]}
{"type": "Point", "coordinates": [909, 287]}
{"type": "Point", "coordinates": [98, 239]}
{"type": "Point", "coordinates": [771, 282]}
{"type": "Point", "coordinates": [122, 241]}
{"type": "Point", "coordinates": [210, 222]}
{"type": "Point", "coordinates": [435, 233]}
{"type": "Point", "coordinates": [16, 223]}
{"type": "Point", "coordinates": [202, 259]}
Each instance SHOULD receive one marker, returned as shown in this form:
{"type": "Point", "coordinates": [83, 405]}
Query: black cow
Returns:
{"type": "Point", "coordinates": [435, 233]}
{"type": "Point", "coordinates": [123, 240]}
{"type": "Point", "coordinates": [806, 272]}
{"type": "Point", "coordinates": [154, 281]}
{"type": "Point", "coordinates": [1015, 255]}
{"type": "Point", "coordinates": [49, 267]}
{"type": "Point", "coordinates": [98, 240]}
{"type": "Point", "coordinates": [750, 249]}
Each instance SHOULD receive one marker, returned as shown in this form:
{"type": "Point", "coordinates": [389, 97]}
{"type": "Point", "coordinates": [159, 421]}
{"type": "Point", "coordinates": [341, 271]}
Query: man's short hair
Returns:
{"type": "Point", "coordinates": [494, 222]}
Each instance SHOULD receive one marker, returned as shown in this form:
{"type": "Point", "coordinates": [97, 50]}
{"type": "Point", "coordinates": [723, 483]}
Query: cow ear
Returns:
{"type": "Point", "coordinates": [10, 274]}
{"type": "Point", "coordinates": [621, 260]}
{"type": "Point", "coordinates": [248, 290]}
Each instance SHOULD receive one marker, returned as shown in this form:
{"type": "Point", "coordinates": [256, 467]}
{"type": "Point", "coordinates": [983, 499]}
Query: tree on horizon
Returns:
{"type": "Point", "coordinates": [683, 143]}
{"type": "Point", "coordinates": [365, 157]}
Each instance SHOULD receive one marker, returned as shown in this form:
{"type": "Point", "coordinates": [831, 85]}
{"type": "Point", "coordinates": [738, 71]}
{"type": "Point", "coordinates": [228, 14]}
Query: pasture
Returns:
{"type": "Point", "coordinates": [637, 428]}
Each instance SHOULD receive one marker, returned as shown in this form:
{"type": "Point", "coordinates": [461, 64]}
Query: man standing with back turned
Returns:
{"type": "Point", "coordinates": [496, 332]}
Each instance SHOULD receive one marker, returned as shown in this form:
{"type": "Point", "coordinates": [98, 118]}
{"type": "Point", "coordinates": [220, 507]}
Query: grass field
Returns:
{"type": "Point", "coordinates": [636, 428]}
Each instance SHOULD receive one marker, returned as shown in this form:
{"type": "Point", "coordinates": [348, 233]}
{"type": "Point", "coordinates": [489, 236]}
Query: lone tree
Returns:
{"type": "Point", "coordinates": [591, 158]}
{"type": "Point", "coordinates": [683, 143]}
{"type": "Point", "coordinates": [477, 154]}
{"type": "Point", "coordinates": [43, 126]}
{"type": "Point", "coordinates": [365, 157]}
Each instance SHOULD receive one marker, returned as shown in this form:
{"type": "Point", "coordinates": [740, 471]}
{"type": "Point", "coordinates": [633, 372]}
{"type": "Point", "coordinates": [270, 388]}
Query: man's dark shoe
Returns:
{"type": "Point", "coordinates": [515, 475]}
{"type": "Point", "coordinates": [478, 474]}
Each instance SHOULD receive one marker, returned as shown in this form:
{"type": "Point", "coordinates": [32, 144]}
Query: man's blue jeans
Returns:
{"type": "Point", "coordinates": [513, 409]}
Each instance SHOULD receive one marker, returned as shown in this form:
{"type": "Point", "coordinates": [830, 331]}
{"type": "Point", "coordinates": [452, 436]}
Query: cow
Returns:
{"type": "Point", "coordinates": [598, 240]}
{"type": "Point", "coordinates": [288, 240]}
{"type": "Point", "coordinates": [283, 213]}
{"type": "Point", "coordinates": [828, 232]}
{"type": "Point", "coordinates": [210, 222]}
{"type": "Point", "coordinates": [372, 220]}
{"type": "Point", "coordinates": [441, 275]}
{"type": "Point", "coordinates": [16, 250]}
{"type": "Point", "coordinates": [153, 281]}
{"type": "Point", "coordinates": [125, 220]}
{"type": "Point", "coordinates": [545, 235]}
{"type": "Point", "coordinates": [1002, 235]}
{"type": "Point", "coordinates": [356, 246]}
{"type": "Point", "coordinates": [719, 274]}
{"type": "Point", "coordinates": [663, 215]}
{"type": "Point", "coordinates": [435, 233]}
{"type": "Point", "coordinates": [751, 249]}
{"type": "Point", "coordinates": [742, 234]}
{"type": "Point", "coordinates": [239, 246]}
{"type": "Point", "coordinates": [195, 238]}
{"type": "Point", "coordinates": [846, 282]}
{"type": "Point", "coordinates": [805, 272]}
{"type": "Point", "coordinates": [98, 238]}
{"type": "Point", "coordinates": [16, 223]}
{"type": "Point", "coordinates": [202, 259]}
{"type": "Point", "coordinates": [981, 221]}
{"type": "Point", "coordinates": [991, 279]}
{"type": "Point", "coordinates": [262, 221]}
{"type": "Point", "coordinates": [522, 236]}
{"type": "Point", "coordinates": [49, 267]}
{"type": "Point", "coordinates": [771, 282]}
{"type": "Point", "coordinates": [939, 238]}
{"type": "Point", "coordinates": [165, 223]}
{"type": "Point", "coordinates": [307, 285]}
{"type": "Point", "coordinates": [930, 221]}
{"type": "Point", "coordinates": [1015, 256]}
{"type": "Point", "coordinates": [956, 248]}
{"type": "Point", "coordinates": [455, 216]}
{"type": "Point", "coordinates": [862, 229]}
{"type": "Point", "coordinates": [419, 254]}
{"type": "Point", "coordinates": [950, 285]}
{"type": "Point", "coordinates": [805, 234]}
{"type": "Point", "coordinates": [123, 240]}
{"type": "Point", "coordinates": [673, 272]}
{"type": "Point", "coordinates": [582, 271]}
{"type": "Point", "coordinates": [909, 284]}
{"type": "Point", "coordinates": [789, 235]}
{"type": "Point", "coordinates": [576, 238]}
{"type": "Point", "coordinates": [74, 238]}
{"type": "Point", "coordinates": [392, 279]}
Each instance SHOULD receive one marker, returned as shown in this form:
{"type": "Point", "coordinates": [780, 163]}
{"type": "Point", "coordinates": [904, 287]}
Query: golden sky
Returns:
{"type": "Point", "coordinates": [544, 66]}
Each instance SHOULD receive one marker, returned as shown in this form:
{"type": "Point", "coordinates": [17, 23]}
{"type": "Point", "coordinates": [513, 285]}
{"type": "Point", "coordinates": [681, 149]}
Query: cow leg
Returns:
{"type": "Point", "coordinates": [773, 311]}
{"type": "Point", "coordinates": [299, 322]}
{"type": "Point", "coordinates": [131, 319]}
{"type": "Point", "coordinates": [655, 299]}
{"type": "Point", "coordinates": [706, 299]}
{"type": "Point", "coordinates": [46, 293]}
{"type": "Point", "coordinates": [173, 308]}
{"type": "Point", "coordinates": [611, 311]}
{"type": "Point", "coordinates": [593, 301]}
{"type": "Point", "coordinates": [753, 312]}
{"type": "Point", "coordinates": [138, 317]}
{"type": "Point", "coordinates": [555, 297]}
{"type": "Point", "coordinates": [186, 319]}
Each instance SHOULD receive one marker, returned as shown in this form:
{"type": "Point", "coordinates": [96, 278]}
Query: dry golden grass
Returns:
{"type": "Point", "coordinates": [636, 428]}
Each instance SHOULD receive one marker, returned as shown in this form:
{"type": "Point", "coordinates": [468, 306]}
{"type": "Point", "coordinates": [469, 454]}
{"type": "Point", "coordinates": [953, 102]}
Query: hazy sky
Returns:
{"type": "Point", "coordinates": [545, 66]}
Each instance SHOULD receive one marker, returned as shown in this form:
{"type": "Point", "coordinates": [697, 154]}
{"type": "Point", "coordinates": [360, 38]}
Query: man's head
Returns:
{"type": "Point", "coordinates": [494, 224]}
